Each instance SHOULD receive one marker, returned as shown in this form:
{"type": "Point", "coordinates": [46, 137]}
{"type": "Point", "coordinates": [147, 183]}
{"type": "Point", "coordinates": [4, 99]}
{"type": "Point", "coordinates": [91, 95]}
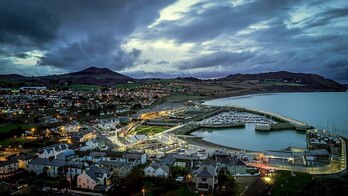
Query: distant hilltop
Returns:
{"type": "Point", "coordinates": [281, 81]}
{"type": "Point", "coordinates": [311, 81]}
{"type": "Point", "coordinates": [89, 76]}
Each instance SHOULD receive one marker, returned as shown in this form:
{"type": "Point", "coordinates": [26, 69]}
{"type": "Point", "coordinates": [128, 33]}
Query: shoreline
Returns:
{"type": "Point", "coordinates": [200, 142]}
{"type": "Point", "coordinates": [252, 94]}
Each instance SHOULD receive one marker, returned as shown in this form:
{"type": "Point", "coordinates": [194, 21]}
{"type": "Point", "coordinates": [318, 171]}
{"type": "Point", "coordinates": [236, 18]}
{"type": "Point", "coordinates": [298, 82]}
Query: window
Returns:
{"type": "Point", "coordinates": [204, 179]}
{"type": "Point", "coordinates": [87, 180]}
{"type": "Point", "coordinates": [79, 179]}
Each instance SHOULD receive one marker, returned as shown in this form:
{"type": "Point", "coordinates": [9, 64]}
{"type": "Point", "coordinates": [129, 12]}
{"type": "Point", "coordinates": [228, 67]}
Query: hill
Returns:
{"type": "Point", "coordinates": [235, 84]}
{"type": "Point", "coordinates": [92, 76]}
{"type": "Point", "coordinates": [312, 82]}
{"type": "Point", "coordinates": [89, 76]}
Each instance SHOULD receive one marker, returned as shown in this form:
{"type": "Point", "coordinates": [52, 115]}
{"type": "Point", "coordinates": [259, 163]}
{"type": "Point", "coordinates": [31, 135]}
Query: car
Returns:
{"type": "Point", "coordinates": [179, 179]}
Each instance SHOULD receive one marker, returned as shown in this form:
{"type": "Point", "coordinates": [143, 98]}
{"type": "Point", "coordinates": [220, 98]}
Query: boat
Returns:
{"type": "Point", "coordinates": [262, 127]}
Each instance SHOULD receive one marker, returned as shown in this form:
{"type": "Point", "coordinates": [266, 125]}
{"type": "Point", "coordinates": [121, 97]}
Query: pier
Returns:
{"type": "Point", "coordinates": [301, 126]}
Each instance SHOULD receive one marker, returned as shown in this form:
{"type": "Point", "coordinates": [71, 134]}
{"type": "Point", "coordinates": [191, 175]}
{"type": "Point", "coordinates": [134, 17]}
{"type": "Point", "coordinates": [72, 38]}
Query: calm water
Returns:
{"type": "Point", "coordinates": [325, 110]}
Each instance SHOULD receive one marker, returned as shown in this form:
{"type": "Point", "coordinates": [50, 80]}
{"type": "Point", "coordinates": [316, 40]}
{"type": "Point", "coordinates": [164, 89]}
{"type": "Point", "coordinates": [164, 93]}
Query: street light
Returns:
{"type": "Point", "coordinates": [69, 179]}
{"type": "Point", "coordinates": [143, 191]}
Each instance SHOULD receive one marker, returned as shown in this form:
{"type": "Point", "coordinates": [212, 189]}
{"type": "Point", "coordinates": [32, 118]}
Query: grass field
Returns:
{"type": "Point", "coordinates": [8, 127]}
{"type": "Point", "coordinates": [286, 184]}
{"type": "Point", "coordinates": [181, 191]}
{"type": "Point", "coordinates": [149, 129]}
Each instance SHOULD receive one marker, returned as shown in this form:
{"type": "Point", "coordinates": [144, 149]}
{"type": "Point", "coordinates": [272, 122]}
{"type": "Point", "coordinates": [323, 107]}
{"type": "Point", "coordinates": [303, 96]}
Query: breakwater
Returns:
{"type": "Point", "coordinates": [301, 126]}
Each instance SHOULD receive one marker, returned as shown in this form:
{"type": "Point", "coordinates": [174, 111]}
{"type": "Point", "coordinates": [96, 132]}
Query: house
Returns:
{"type": "Point", "coordinates": [130, 157]}
{"type": "Point", "coordinates": [157, 170]}
{"type": "Point", "coordinates": [23, 160]}
{"type": "Point", "coordinates": [53, 168]}
{"type": "Point", "coordinates": [93, 177]}
{"type": "Point", "coordinates": [120, 169]}
{"type": "Point", "coordinates": [181, 160]}
{"type": "Point", "coordinates": [96, 157]}
{"type": "Point", "coordinates": [234, 165]}
{"type": "Point", "coordinates": [74, 169]}
{"type": "Point", "coordinates": [52, 151]}
{"type": "Point", "coordinates": [66, 155]}
{"type": "Point", "coordinates": [8, 166]}
{"type": "Point", "coordinates": [93, 144]}
{"type": "Point", "coordinates": [205, 177]}
{"type": "Point", "coordinates": [135, 158]}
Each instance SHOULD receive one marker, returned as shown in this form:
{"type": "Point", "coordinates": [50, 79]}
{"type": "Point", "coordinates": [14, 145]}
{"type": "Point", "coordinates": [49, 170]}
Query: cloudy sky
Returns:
{"type": "Point", "coordinates": [168, 38]}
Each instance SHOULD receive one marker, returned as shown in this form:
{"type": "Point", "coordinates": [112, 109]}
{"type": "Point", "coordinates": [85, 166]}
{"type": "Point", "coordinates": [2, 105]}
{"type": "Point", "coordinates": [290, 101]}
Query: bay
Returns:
{"type": "Point", "coordinates": [323, 110]}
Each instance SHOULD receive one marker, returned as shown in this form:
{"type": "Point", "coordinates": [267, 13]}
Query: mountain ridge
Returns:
{"type": "Point", "coordinates": [107, 77]}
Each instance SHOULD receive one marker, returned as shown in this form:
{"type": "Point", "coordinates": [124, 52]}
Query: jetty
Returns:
{"type": "Point", "coordinates": [301, 126]}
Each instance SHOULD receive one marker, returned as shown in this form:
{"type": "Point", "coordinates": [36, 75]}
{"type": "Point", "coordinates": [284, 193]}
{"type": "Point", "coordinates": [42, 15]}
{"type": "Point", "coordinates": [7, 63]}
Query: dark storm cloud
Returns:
{"type": "Point", "coordinates": [293, 49]}
{"type": "Point", "coordinates": [23, 22]}
{"type": "Point", "coordinates": [94, 51]}
{"type": "Point", "coordinates": [254, 36]}
{"type": "Point", "coordinates": [217, 59]}
{"type": "Point", "coordinates": [76, 34]}
{"type": "Point", "coordinates": [326, 17]}
{"type": "Point", "coordinates": [202, 24]}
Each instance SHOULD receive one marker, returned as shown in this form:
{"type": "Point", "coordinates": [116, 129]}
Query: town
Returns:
{"type": "Point", "coordinates": [121, 141]}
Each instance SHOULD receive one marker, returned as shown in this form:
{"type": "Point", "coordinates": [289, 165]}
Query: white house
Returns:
{"type": "Point", "coordinates": [52, 151]}
{"type": "Point", "coordinates": [157, 170]}
{"type": "Point", "coordinates": [93, 177]}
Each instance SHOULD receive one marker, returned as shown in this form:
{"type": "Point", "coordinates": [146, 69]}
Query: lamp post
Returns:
{"type": "Point", "coordinates": [69, 179]}
{"type": "Point", "coordinates": [143, 191]}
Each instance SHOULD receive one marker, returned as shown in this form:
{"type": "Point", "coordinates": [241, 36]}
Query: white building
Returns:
{"type": "Point", "coordinates": [157, 170]}
{"type": "Point", "coordinates": [52, 151]}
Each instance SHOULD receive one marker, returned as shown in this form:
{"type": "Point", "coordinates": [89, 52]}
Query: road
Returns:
{"type": "Point", "coordinates": [261, 186]}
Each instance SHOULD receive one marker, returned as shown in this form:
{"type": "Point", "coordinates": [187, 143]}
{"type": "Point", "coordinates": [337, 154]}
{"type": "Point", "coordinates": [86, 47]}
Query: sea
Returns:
{"type": "Point", "coordinates": [322, 110]}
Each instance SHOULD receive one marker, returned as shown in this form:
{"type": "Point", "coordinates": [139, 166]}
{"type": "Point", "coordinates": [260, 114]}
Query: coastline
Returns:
{"type": "Point", "coordinates": [251, 94]}
{"type": "Point", "coordinates": [200, 142]}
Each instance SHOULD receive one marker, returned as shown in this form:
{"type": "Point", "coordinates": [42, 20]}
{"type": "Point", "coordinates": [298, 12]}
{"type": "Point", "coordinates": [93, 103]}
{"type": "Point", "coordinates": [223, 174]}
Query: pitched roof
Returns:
{"type": "Point", "coordinates": [8, 162]}
{"type": "Point", "coordinates": [47, 162]}
{"type": "Point", "coordinates": [133, 155]}
{"type": "Point", "coordinates": [26, 156]}
{"type": "Point", "coordinates": [156, 166]}
{"type": "Point", "coordinates": [115, 164]}
{"type": "Point", "coordinates": [96, 172]}
{"type": "Point", "coordinates": [97, 154]}
{"type": "Point", "coordinates": [206, 171]}
{"type": "Point", "coordinates": [78, 165]}
{"type": "Point", "coordinates": [65, 154]}
{"type": "Point", "coordinates": [169, 159]}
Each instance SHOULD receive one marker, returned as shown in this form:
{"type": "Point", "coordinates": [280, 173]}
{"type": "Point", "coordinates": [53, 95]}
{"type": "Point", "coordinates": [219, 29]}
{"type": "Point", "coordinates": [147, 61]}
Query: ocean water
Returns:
{"type": "Point", "coordinates": [323, 110]}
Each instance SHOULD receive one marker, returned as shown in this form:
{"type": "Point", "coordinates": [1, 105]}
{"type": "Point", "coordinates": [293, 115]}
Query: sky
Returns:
{"type": "Point", "coordinates": [174, 38]}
